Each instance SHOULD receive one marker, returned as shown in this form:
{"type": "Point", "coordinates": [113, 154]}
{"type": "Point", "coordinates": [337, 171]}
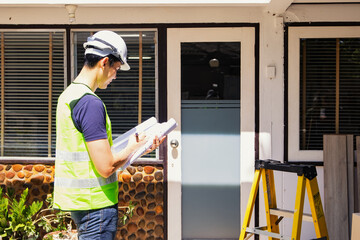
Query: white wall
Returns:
{"type": "Point", "coordinates": [123, 15]}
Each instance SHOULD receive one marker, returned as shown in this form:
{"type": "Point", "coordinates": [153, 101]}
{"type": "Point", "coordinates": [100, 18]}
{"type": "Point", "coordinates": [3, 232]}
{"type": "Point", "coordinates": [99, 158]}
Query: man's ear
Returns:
{"type": "Point", "coordinates": [103, 61]}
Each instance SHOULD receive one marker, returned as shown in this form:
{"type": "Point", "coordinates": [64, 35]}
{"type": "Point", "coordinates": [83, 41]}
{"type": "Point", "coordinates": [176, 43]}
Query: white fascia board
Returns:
{"type": "Point", "coordinates": [12, 3]}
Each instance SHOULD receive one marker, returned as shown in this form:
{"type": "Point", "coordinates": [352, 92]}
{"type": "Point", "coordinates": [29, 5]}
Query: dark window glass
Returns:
{"type": "Point", "coordinates": [329, 89]}
{"type": "Point", "coordinates": [210, 71]}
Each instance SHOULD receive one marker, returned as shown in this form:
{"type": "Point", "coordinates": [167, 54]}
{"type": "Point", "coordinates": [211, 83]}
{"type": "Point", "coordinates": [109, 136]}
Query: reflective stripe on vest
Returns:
{"type": "Point", "coordinates": [84, 183]}
{"type": "Point", "coordinates": [74, 156]}
{"type": "Point", "coordinates": [78, 185]}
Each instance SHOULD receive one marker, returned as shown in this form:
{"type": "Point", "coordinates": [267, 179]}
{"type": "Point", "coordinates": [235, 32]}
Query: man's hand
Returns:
{"type": "Point", "coordinates": [106, 163]}
{"type": "Point", "coordinates": [156, 144]}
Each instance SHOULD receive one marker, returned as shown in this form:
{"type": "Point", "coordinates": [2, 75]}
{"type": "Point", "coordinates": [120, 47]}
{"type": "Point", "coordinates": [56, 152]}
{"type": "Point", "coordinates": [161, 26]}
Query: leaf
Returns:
{"type": "Point", "coordinates": [18, 226]}
{"type": "Point", "coordinates": [35, 207]}
{"type": "Point", "coordinates": [10, 192]}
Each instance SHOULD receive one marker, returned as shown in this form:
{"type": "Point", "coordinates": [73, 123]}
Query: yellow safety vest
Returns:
{"type": "Point", "coordinates": [78, 185]}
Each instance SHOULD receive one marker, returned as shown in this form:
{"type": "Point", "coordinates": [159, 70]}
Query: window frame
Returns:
{"type": "Point", "coordinates": [293, 97]}
{"type": "Point", "coordinates": [69, 72]}
{"type": "Point", "coordinates": [45, 30]}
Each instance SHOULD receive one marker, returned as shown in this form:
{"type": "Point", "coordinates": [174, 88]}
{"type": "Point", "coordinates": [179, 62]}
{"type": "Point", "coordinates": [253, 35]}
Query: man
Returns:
{"type": "Point", "coordinates": [85, 167]}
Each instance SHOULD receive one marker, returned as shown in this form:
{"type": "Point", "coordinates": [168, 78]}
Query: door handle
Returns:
{"type": "Point", "coordinates": [174, 143]}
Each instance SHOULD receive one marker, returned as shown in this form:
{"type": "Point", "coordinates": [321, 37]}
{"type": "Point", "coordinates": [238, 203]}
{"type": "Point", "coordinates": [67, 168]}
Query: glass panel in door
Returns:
{"type": "Point", "coordinates": [210, 136]}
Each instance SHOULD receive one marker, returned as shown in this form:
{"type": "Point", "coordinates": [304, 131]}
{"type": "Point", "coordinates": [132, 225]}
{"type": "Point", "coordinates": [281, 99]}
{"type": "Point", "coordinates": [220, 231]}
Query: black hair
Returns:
{"type": "Point", "coordinates": [90, 60]}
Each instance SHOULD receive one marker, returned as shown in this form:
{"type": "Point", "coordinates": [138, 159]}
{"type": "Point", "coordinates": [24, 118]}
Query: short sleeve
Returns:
{"type": "Point", "coordinates": [90, 118]}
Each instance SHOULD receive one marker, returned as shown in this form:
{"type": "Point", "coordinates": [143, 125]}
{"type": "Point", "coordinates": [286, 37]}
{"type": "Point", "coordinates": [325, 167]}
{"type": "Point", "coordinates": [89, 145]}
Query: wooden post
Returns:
{"type": "Point", "coordinates": [357, 197]}
{"type": "Point", "coordinates": [337, 90]}
{"type": "Point", "coordinates": [335, 151]}
{"type": "Point", "coordinates": [50, 94]}
{"type": "Point", "coordinates": [350, 177]}
{"type": "Point", "coordinates": [2, 94]}
{"type": "Point", "coordinates": [140, 77]}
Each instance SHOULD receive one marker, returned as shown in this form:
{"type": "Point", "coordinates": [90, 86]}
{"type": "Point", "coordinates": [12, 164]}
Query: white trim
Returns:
{"type": "Point", "coordinates": [295, 34]}
{"type": "Point", "coordinates": [138, 2]}
{"type": "Point", "coordinates": [245, 35]}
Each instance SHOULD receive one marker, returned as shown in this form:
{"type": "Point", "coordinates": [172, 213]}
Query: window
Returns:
{"type": "Point", "coordinates": [32, 78]}
{"type": "Point", "coordinates": [131, 98]}
{"type": "Point", "coordinates": [329, 89]}
{"type": "Point", "coordinates": [327, 85]}
{"type": "Point", "coordinates": [33, 75]}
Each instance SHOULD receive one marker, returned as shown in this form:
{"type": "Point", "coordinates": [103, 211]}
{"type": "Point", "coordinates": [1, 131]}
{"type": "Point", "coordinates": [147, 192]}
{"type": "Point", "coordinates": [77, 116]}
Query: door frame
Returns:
{"type": "Point", "coordinates": [248, 96]}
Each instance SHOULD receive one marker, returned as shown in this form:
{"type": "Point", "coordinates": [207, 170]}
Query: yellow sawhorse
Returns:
{"type": "Point", "coordinates": [306, 178]}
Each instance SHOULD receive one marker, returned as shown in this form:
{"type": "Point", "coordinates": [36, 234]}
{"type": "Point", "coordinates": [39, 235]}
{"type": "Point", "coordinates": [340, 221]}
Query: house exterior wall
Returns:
{"type": "Point", "coordinates": [271, 55]}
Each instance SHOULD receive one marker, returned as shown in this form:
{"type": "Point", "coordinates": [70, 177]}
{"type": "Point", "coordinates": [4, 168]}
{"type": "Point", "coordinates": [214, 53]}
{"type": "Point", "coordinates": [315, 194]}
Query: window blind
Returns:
{"type": "Point", "coordinates": [329, 89]}
{"type": "Point", "coordinates": [32, 79]}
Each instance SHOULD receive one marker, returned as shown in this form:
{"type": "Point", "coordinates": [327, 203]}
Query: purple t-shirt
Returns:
{"type": "Point", "coordinates": [90, 118]}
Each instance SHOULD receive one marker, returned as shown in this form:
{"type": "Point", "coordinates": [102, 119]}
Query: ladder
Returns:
{"type": "Point", "coordinates": [306, 178]}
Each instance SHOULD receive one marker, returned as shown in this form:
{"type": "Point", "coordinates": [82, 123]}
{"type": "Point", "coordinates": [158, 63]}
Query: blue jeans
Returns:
{"type": "Point", "coordinates": [99, 224]}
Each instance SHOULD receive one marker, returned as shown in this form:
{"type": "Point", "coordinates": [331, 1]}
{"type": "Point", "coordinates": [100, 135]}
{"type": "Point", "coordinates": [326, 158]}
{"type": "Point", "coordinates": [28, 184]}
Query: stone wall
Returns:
{"type": "Point", "coordinates": [142, 185]}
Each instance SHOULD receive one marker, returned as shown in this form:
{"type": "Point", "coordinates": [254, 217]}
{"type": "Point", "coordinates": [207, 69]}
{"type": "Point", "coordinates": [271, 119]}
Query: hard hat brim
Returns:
{"type": "Point", "coordinates": [125, 67]}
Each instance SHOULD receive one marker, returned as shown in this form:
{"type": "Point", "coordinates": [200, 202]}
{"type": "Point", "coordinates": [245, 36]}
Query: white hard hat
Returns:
{"type": "Point", "coordinates": [107, 42]}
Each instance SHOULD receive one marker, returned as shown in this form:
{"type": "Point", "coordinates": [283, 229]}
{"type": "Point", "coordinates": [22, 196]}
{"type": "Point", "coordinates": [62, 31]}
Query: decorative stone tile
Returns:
{"type": "Point", "coordinates": [17, 167]}
{"type": "Point", "coordinates": [159, 197]}
{"type": "Point", "coordinates": [137, 177]}
{"type": "Point", "coordinates": [28, 174]}
{"type": "Point", "coordinates": [159, 175]}
{"type": "Point", "coordinates": [159, 209]}
{"type": "Point", "coordinates": [150, 187]}
{"type": "Point", "coordinates": [150, 225]}
{"type": "Point", "coordinates": [149, 169]}
{"type": "Point", "coordinates": [20, 175]}
{"type": "Point", "coordinates": [131, 170]}
{"type": "Point", "coordinates": [159, 219]}
{"type": "Point", "coordinates": [150, 215]}
{"type": "Point", "coordinates": [9, 175]}
{"type": "Point", "coordinates": [150, 197]}
{"type": "Point", "coordinates": [131, 227]}
{"type": "Point", "coordinates": [2, 177]}
{"type": "Point", "coordinates": [28, 167]}
{"type": "Point", "coordinates": [141, 223]}
{"type": "Point", "coordinates": [140, 187]}
{"type": "Point", "coordinates": [159, 187]}
{"type": "Point", "coordinates": [37, 179]}
{"type": "Point", "coordinates": [140, 195]}
{"type": "Point", "coordinates": [39, 168]}
{"type": "Point", "coordinates": [148, 178]}
{"type": "Point", "coordinates": [159, 230]}
{"type": "Point", "coordinates": [140, 211]}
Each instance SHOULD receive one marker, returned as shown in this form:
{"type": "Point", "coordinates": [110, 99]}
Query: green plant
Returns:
{"type": "Point", "coordinates": [52, 220]}
{"type": "Point", "coordinates": [4, 203]}
{"type": "Point", "coordinates": [21, 221]}
{"type": "Point", "coordinates": [17, 218]}
{"type": "Point", "coordinates": [128, 213]}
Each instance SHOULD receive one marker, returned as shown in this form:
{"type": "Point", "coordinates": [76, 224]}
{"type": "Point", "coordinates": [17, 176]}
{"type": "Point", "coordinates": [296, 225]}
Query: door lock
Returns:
{"type": "Point", "coordinates": [174, 143]}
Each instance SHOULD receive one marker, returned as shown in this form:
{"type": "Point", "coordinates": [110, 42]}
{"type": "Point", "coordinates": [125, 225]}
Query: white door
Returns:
{"type": "Point", "coordinates": [211, 83]}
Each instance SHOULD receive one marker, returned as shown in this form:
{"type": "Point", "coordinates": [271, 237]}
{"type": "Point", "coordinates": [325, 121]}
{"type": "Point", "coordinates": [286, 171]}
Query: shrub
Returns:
{"type": "Point", "coordinates": [19, 220]}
